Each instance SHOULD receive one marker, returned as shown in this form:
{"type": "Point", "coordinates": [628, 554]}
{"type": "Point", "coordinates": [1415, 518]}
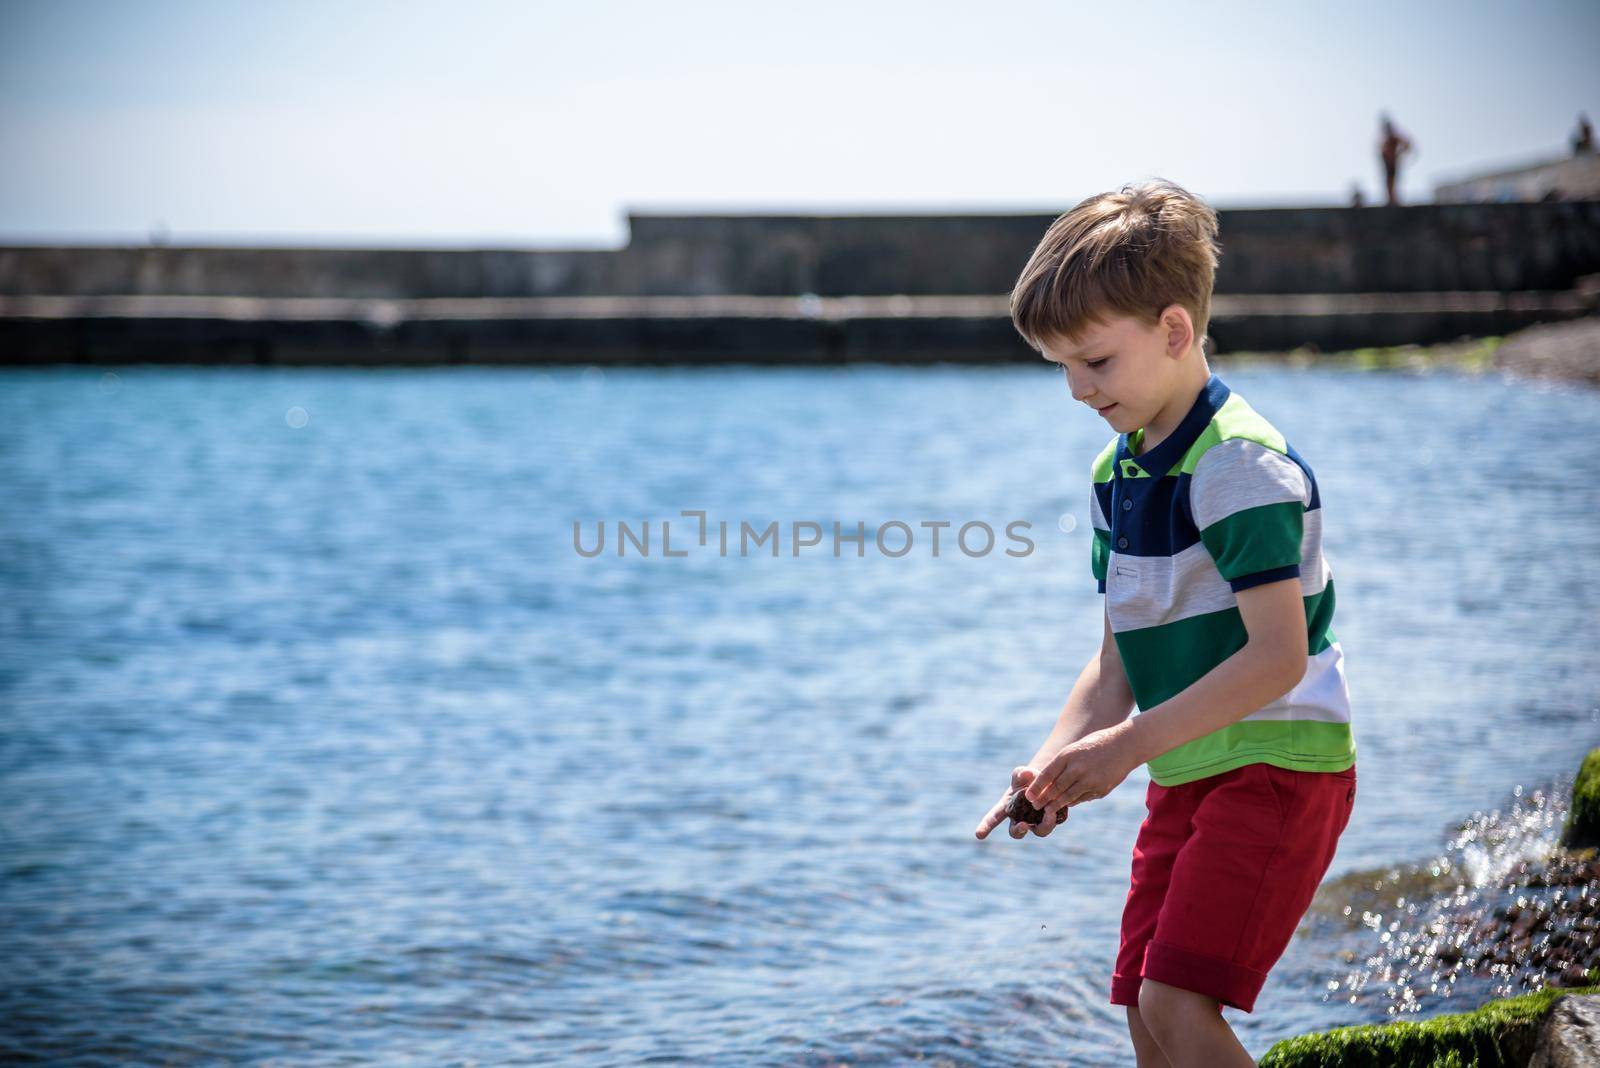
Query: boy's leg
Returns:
{"type": "Point", "coordinates": [1146, 1049]}
{"type": "Point", "coordinates": [1189, 1028]}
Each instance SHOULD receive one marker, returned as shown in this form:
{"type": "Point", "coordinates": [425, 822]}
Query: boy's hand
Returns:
{"type": "Point", "coordinates": [1020, 779]}
{"type": "Point", "coordinates": [1089, 768]}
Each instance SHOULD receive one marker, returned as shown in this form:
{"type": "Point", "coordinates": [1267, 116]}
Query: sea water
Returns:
{"type": "Point", "coordinates": [323, 743]}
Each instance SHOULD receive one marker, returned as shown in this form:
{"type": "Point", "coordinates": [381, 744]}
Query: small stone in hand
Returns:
{"type": "Point", "coordinates": [1021, 809]}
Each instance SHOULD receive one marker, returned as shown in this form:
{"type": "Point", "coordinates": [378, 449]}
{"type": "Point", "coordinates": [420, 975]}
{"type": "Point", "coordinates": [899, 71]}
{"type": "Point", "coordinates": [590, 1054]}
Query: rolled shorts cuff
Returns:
{"type": "Point", "coordinates": [1230, 983]}
{"type": "Point", "coordinates": [1125, 989]}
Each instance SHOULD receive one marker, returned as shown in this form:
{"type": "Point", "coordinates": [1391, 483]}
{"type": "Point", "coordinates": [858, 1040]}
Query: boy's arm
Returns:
{"type": "Point", "coordinates": [1271, 663]}
{"type": "Point", "coordinates": [1100, 698]}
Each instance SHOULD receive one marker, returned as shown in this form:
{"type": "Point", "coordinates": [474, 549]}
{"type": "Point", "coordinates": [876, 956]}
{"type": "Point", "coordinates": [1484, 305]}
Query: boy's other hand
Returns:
{"type": "Point", "coordinates": [1088, 769]}
{"type": "Point", "coordinates": [1021, 777]}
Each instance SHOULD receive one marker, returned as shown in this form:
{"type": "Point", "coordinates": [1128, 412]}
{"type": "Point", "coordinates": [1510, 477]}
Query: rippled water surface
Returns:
{"type": "Point", "coordinates": [321, 744]}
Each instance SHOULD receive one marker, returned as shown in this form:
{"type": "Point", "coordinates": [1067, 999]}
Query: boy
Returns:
{"type": "Point", "coordinates": [1218, 610]}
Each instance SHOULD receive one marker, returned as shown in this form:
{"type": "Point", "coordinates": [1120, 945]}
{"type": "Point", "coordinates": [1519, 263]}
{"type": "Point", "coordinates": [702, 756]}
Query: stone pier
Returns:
{"type": "Point", "coordinates": [782, 289]}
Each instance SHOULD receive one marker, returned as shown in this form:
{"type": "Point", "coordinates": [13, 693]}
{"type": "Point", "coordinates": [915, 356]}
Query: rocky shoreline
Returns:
{"type": "Point", "coordinates": [1535, 924]}
{"type": "Point", "coordinates": [1567, 352]}
{"type": "Point", "coordinates": [1563, 352]}
{"type": "Point", "coordinates": [1556, 934]}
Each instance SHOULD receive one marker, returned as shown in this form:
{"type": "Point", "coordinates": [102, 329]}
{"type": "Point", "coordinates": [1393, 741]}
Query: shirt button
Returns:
{"type": "Point", "coordinates": [1122, 543]}
{"type": "Point", "coordinates": [1126, 505]}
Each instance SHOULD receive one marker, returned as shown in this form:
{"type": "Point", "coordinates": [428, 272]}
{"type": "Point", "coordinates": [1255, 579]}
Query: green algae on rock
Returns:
{"type": "Point", "coordinates": [1583, 818]}
{"type": "Point", "coordinates": [1501, 1034]}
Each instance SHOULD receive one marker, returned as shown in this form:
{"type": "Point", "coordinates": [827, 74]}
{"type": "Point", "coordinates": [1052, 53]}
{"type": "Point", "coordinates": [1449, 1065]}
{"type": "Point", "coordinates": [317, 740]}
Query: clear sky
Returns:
{"type": "Point", "coordinates": [542, 124]}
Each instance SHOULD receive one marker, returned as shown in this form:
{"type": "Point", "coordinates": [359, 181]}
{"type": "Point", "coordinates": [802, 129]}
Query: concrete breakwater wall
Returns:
{"type": "Point", "coordinates": [1422, 249]}
{"type": "Point", "coordinates": [1333, 277]}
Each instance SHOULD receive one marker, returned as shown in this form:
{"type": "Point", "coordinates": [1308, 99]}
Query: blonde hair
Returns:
{"type": "Point", "coordinates": [1131, 253]}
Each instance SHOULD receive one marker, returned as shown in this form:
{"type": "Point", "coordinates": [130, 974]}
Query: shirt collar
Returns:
{"type": "Point", "coordinates": [1159, 460]}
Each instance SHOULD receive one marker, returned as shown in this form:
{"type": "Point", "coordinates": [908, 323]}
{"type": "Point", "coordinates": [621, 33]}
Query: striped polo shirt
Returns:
{"type": "Point", "coordinates": [1223, 504]}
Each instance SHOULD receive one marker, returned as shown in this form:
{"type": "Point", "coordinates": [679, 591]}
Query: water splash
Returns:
{"type": "Point", "coordinates": [1503, 909]}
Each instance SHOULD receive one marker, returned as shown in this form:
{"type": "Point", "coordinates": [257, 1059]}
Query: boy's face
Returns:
{"type": "Point", "coordinates": [1126, 370]}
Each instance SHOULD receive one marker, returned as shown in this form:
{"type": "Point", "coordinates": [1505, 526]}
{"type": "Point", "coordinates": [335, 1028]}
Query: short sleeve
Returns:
{"type": "Point", "coordinates": [1100, 549]}
{"type": "Point", "coordinates": [1249, 502]}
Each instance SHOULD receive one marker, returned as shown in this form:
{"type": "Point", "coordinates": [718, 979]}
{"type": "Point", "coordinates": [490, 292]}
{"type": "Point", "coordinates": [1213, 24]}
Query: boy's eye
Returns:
{"type": "Point", "coordinates": [1097, 363]}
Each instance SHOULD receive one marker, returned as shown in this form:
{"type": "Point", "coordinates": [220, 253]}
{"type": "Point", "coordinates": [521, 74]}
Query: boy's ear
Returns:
{"type": "Point", "coordinates": [1179, 329]}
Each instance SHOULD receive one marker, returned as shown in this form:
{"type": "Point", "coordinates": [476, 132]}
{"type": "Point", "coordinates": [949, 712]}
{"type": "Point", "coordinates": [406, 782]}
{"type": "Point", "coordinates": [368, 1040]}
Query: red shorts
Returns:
{"type": "Point", "coordinates": [1223, 870]}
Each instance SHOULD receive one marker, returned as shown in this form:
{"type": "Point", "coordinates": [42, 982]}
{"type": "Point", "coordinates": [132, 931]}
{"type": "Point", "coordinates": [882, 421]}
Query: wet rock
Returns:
{"type": "Point", "coordinates": [1022, 810]}
{"type": "Point", "coordinates": [1570, 1034]}
{"type": "Point", "coordinates": [1574, 975]}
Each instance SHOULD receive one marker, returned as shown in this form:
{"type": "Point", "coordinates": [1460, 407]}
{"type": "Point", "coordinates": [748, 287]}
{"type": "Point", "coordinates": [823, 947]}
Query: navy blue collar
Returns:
{"type": "Point", "coordinates": [1159, 460]}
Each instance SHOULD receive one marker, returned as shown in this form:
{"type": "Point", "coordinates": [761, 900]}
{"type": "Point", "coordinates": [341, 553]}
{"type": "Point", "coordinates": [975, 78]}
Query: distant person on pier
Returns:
{"type": "Point", "coordinates": [1357, 200]}
{"type": "Point", "coordinates": [1390, 149]}
{"type": "Point", "coordinates": [1583, 140]}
